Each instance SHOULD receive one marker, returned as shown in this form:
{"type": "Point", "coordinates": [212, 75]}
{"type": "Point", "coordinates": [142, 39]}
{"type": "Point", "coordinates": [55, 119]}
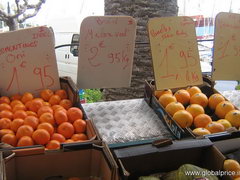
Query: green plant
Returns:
{"type": "Point", "coordinates": [93, 95]}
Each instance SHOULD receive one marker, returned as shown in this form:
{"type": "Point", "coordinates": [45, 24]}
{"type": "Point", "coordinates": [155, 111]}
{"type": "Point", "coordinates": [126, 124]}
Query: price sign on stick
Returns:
{"type": "Point", "coordinates": [106, 52]}
{"type": "Point", "coordinates": [27, 61]}
{"type": "Point", "coordinates": [174, 52]}
{"type": "Point", "coordinates": [226, 61]}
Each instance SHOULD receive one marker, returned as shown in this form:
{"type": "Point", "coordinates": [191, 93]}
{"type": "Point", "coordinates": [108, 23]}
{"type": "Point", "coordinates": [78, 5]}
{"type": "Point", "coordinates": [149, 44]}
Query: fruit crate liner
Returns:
{"type": "Point", "coordinates": [125, 121]}
{"type": "Point", "coordinates": [233, 96]}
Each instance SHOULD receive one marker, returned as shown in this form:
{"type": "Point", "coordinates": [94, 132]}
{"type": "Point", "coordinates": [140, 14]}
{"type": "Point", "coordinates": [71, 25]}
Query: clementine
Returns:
{"type": "Point", "coordinates": [5, 123]}
{"type": "Point", "coordinates": [202, 120]}
{"type": "Point", "coordinates": [35, 105]}
{"type": "Point", "coordinates": [233, 117]}
{"type": "Point", "coordinates": [159, 93]}
{"type": "Point", "coordinates": [201, 131]}
{"type": "Point", "coordinates": [74, 113]}
{"type": "Point", "coordinates": [80, 126]}
{"type": "Point", "coordinates": [16, 97]}
{"type": "Point", "coordinates": [58, 137]}
{"type": "Point", "coordinates": [199, 98]}
{"type": "Point", "coordinates": [182, 96]}
{"type": "Point", "coordinates": [195, 109]}
{"type": "Point", "coordinates": [44, 109]}
{"type": "Point", "coordinates": [215, 127]}
{"type": "Point", "coordinates": [27, 96]}
{"type": "Point", "coordinates": [9, 139]}
{"type": "Point", "coordinates": [4, 99]}
{"type": "Point", "coordinates": [193, 90]}
{"type": "Point", "coordinates": [165, 99]}
{"type": "Point", "coordinates": [53, 144]}
{"type": "Point", "coordinates": [6, 114]}
{"type": "Point", "coordinates": [25, 141]}
{"type": "Point", "coordinates": [79, 137]}
{"type": "Point", "coordinates": [214, 100]}
{"type": "Point", "coordinates": [61, 93]}
{"type": "Point", "coordinates": [41, 136]}
{"type": "Point", "coordinates": [60, 116]}
{"type": "Point", "coordinates": [19, 114]}
{"type": "Point", "coordinates": [5, 131]}
{"type": "Point", "coordinates": [16, 123]}
{"type": "Point", "coordinates": [173, 107]}
{"type": "Point", "coordinates": [47, 117]}
{"type": "Point", "coordinates": [24, 130]}
{"type": "Point", "coordinates": [5, 106]}
{"type": "Point", "coordinates": [66, 129]}
{"type": "Point", "coordinates": [46, 94]}
{"type": "Point", "coordinates": [54, 100]}
{"type": "Point", "coordinates": [47, 126]}
{"type": "Point", "coordinates": [183, 118]}
{"type": "Point", "coordinates": [31, 121]}
{"type": "Point", "coordinates": [66, 103]}
{"type": "Point", "coordinates": [223, 108]}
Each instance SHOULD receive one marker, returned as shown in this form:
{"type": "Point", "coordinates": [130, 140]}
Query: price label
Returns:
{"type": "Point", "coordinates": [28, 61]}
{"type": "Point", "coordinates": [174, 52]}
{"type": "Point", "coordinates": [227, 47]}
{"type": "Point", "coordinates": [106, 52]}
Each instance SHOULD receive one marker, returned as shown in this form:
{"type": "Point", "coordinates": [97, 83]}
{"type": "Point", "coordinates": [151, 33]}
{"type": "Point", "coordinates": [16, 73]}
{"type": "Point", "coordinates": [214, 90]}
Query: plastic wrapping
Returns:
{"type": "Point", "coordinates": [126, 120]}
{"type": "Point", "coordinates": [233, 96]}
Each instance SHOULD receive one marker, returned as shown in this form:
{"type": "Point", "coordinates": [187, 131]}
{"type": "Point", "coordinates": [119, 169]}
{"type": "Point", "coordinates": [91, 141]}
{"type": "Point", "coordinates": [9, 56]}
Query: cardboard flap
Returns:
{"type": "Point", "coordinates": [226, 47]}
{"type": "Point", "coordinates": [174, 51]}
{"type": "Point", "coordinates": [28, 61]}
{"type": "Point", "coordinates": [106, 52]}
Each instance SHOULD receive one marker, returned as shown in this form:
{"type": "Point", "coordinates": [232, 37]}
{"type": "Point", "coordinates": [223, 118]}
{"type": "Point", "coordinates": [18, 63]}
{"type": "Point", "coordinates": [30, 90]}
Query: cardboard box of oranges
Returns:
{"type": "Point", "coordinates": [195, 111]}
{"type": "Point", "coordinates": [50, 119]}
{"type": "Point", "coordinates": [89, 160]}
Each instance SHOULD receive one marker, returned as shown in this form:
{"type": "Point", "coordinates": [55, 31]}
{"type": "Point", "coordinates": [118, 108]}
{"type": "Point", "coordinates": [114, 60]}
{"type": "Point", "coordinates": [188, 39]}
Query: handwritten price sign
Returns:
{"type": "Point", "coordinates": [174, 52]}
{"type": "Point", "coordinates": [27, 61]}
{"type": "Point", "coordinates": [227, 47]}
{"type": "Point", "coordinates": [106, 52]}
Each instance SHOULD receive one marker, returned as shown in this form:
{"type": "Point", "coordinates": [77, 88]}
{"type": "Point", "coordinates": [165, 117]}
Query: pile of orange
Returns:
{"type": "Point", "coordinates": [48, 120]}
{"type": "Point", "coordinates": [188, 106]}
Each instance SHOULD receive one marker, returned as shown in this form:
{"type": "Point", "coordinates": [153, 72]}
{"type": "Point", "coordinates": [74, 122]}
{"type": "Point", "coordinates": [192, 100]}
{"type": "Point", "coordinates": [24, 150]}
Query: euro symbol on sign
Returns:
{"type": "Point", "coordinates": [101, 44]}
{"type": "Point", "coordinates": [23, 64]}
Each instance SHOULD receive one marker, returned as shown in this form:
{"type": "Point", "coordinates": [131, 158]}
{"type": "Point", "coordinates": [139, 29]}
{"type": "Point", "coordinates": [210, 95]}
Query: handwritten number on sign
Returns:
{"type": "Point", "coordinates": [42, 73]}
{"type": "Point", "coordinates": [94, 53]}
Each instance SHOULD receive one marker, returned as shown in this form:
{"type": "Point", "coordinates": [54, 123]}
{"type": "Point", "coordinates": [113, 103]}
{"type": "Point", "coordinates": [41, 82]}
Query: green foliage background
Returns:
{"type": "Point", "coordinates": [93, 95]}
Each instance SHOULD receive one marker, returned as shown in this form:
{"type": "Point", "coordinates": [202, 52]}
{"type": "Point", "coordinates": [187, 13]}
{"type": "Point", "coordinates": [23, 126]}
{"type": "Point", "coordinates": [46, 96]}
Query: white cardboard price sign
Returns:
{"type": "Point", "coordinates": [106, 52]}
{"type": "Point", "coordinates": [226, 61]}
{"type": "Point", "coordinates": [28, 61]}
{"type": "Point", "coordinates": [174, 50]}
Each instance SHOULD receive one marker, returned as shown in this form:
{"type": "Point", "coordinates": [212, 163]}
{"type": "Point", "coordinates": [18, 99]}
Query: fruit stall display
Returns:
{"type": "Point", "coordinates": [199, 110]}
{"type": "Point", "coordinates": [49, 120]}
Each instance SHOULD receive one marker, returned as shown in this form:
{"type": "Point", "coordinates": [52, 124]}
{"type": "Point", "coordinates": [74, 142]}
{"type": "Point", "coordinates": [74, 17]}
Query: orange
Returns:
{"type": "Point", "coordinates": [16, 123]}
{"type": "Point", "coordinates": [31, 113]}
{"type": "Point", "coordinates": [44, 109]}
{"type": "Point", "coordinates": [47, 117]}
{"type": "Point", "coordinates": [28, 104]}
{"type": "Point", "coordinates": [74, 113]}
{"type": "Point", "coordinates": [165, 99]}
{"type": "Point", "coordinates": [41, 136]}
{"type": "Point", "coordinates": [159, 93]}
{"type": "Point", "coordinates": [79, 137]}
{"type": "Point", "coordinates": [19, 107]}
{"type": "Point", "coordinates": [223, 108]}
{"type": "Point", "coordinates": [225, 123]}
{"type": "Point", "coordinates": [46, 94]}
{"type": "Point", "coordinates": [9, 139]}
{"type": "Point", "coordinates": [173, 107]}
{"type": "Point", "coordinates": [66, 129]}
{"type": "Point", "coordinates": [47, 126]}
{"type": "Point", "coordinates": [233, 117]}
{"type": "Point", "coordinates": [199, 98]}
{"type": "Point", "coordinates": [19, 114]}
{"type": "Point", "coordinates": [35, 105]}
{"type": "Point", "coordinates": [15, 102]}
{"type": "Point", "coordinates": [46, 104]}
{"type": "Point", "coordinates": [195, 109]}
{"type": "Point", "coordinates": [69, 141]}
{"type": "Point", "coordinates": [231, 165]}
{"type": "Point", "coordinates": [5, 123]}
{"type": "Point", "coordinates": [182, 96]}
{"type": "Point", "coordinates": [5, 106]}
{"type": "Point", "coordinates": [193, 90]}
{"type": "Point", "coordinates": [214, 100]}
{"type": "Point", "coordinates": [183, 118]}
{"type": "Point", "coordinates": [4, 99]}
{"type": "Point", "coordinates": [58, 137]}
{"type": "Point", "coordinates": [61, 93]}
{"type": "Point", "coordinates": [66, 103]}
{"type": "Point", "coordinates": [27, 96]}
{"type": "Point", "coordinates": [202, 120]}
{"type": "Point", "coordinates": [6, 114]}
{"type": "Point", "coordinates": [16, 97]}
{"type": "Point", "coordinates": [215, 127]}
{"type": "Point", "coordinates": [60, 116]}
{"type": "Point", "coordinates": [53, 144]}
{"type": "Point", "coordinates": [31, 121]}
{"type": "Point", "coordinates": [5, 131]}
{"type": "Point", "coordinates": [201, 131]}
{"type": "Point", "coordinates": [54, 99]}
{"type": "Point", "coordinates": [57, 106]}
{"type": "Point", "coordinates": [25, 141]}
{"type": "Point", "coordinates": [79, 126]}
{"type": "Point", "coordinates": [24, 130]}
